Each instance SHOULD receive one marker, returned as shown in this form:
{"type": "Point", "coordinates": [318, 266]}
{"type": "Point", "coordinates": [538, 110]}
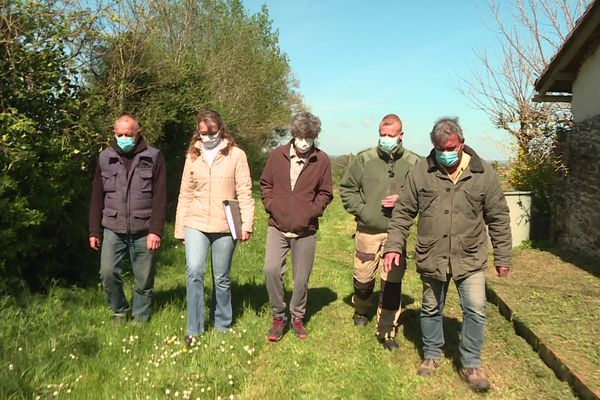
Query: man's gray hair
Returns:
{"type": "Point", "coordinates": [445, 127]}
{"type": "Point", "coordinates": [305, 122]}
{"type": "Point", "coordinates": [130, 117]}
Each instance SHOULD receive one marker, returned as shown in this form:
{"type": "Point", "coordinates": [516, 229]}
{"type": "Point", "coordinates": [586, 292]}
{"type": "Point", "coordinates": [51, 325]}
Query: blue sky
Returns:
{"type": "Point", "coordinates": [359, 60]}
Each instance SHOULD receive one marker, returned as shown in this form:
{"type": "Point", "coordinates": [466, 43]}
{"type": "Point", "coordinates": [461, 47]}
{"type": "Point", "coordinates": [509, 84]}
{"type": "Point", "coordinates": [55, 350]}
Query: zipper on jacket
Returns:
{"type": "Point", "coordinates": [291, 210]}
{"type": "Point", "coordinates": [210, 181]}
{"type": "Point", "coordinates": [129, 175]}
{"type": "Point", "coordinates": [209, 190]}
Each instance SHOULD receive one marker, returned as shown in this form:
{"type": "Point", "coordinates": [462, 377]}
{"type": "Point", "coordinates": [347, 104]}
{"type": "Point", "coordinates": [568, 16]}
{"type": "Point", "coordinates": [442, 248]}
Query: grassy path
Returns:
{"type": "Point", "coordinates": [62, 345]}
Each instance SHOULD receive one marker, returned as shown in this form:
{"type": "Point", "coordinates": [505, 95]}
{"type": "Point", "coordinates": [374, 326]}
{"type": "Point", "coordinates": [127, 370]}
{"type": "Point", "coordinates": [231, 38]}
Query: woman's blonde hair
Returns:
{"type": "Point", "coordinates": [213, 120]}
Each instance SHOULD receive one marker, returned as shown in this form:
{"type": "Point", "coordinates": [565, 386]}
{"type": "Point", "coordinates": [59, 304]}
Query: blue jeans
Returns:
{"type": "Point", "coordinates": [114, 248]}
{"type": "Point", "coordinates": [471, 291]}
{"type": "Point", "coordinates": [196, 251]}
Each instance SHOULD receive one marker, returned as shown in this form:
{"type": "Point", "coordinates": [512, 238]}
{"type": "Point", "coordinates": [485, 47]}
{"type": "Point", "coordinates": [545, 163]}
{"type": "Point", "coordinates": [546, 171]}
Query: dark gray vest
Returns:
{"type": "Point", "coordinates": [127, 195]}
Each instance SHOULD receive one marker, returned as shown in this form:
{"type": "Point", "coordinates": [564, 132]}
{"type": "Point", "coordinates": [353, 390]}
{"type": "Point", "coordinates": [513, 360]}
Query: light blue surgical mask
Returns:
{"type": "Point", "coordinates": [388, 144]}
{"type": "Point", "coordinates": [126, 143]}
{"type": "Point", "coordinates": [446, 158]}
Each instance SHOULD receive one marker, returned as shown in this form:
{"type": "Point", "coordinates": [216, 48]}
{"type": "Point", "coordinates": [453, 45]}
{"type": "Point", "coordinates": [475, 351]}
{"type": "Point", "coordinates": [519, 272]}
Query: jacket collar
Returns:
{"type": "Point", "coordinates": [476, 164]}
{"type": "Point", "coordinates": [140, 145]}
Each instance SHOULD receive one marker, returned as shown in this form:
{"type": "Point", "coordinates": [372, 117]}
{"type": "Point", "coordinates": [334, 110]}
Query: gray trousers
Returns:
{"type": "Point", "coordinates": [303, 257]}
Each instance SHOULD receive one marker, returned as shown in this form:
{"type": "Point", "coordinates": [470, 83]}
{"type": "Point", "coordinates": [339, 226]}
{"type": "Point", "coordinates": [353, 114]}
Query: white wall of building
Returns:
{"type": "Point", "coordinates": [586, 89]}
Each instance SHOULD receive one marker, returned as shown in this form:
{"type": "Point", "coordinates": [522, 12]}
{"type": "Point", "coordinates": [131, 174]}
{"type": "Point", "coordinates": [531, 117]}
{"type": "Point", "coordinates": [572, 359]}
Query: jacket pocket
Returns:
{"type": "Point", "coordinates": [109, 217]}
{"type": "Point", "coordinates": [364, 257]}
{"type": "Point", "coordinates": [146, 181]}
{"type": "Point", "coordinates": [144, 215]}
{"type": "Point", "coordinates": [429, 202]}
{"type": "Point", "coordinates": [365, 265]}
{"type": "Point", "coordinates": [474, 204]}
{"type": "Point", "coordinates": [426, 254]}
{"type": "Point", "coordinates": [109, 212]}
{"type": "Point", "coordinates": [474, 253]}
{"type": "Point", "coordinates": [109, 181]}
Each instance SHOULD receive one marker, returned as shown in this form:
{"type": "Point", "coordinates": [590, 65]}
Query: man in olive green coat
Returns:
{"type": "Point", "coordinates": [369, 190]}
{"type": "Point", "coordinates": [456, 194]}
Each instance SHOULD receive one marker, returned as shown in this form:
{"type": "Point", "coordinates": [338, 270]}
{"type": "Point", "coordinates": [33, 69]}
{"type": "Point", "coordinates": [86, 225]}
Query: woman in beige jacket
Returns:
{"type": "Point", "coordinates": [215, 170]}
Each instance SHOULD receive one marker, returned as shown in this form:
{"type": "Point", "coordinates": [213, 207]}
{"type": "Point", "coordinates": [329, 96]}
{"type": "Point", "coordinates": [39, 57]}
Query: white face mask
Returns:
{"type": "Point", "coordinates": [303, 145]}
{"type": "Point", "coordinates": [210, 141]}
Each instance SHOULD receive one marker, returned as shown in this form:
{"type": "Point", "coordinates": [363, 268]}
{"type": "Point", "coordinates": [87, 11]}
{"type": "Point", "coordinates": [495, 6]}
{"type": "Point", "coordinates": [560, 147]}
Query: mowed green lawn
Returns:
{"type": "Point", "coordinates": [64, 346]}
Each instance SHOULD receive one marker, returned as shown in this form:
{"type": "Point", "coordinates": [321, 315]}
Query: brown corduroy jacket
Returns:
{"type": "Point", "coordinates": [296, 210]}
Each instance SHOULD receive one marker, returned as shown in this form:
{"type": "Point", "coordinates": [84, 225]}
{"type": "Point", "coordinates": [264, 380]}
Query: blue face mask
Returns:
{"type": "Point", "coordinates": [388, 144]}
{"type": "Point", "coordinates": [126, 143]}
{"type": "Point", "coordinates": [446, 158]}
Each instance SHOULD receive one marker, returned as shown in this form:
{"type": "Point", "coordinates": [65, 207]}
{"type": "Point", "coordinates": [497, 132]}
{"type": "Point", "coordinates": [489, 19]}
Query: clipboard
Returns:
{"type": "Point", "coordinates": [234, 218]}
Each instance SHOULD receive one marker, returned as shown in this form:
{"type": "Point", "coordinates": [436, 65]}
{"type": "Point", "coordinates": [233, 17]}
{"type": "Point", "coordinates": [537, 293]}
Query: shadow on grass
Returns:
{"type": "Point", "coordinates": [317, 299]}
{"type": "Point", "coordinates": [410, 320]}
{"type": "Point", "coordinates": [405, 301]}
{"type": "Point", "coordinates": [251, 294]}
{"type": "Point", "coordinates": [582, 262]}
{"type": "Point", "coordinates": [243, 297]}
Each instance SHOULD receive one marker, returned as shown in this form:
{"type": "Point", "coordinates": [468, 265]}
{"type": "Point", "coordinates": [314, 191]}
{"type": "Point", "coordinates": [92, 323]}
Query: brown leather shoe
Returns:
{"type": "Point", "coordinates": [427, 367]}
{"type": "Point", "coordinates": [476, 379]}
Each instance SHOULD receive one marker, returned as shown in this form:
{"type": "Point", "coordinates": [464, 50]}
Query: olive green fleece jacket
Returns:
{"type": "Point", "coordinates": [371, 176]}
{"type": "Point", "coordinates": [452, 219]}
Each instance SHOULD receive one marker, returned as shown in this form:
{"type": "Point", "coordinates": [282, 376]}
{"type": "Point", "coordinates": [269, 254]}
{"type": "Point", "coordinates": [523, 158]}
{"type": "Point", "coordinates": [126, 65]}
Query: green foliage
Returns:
{"type": "Point", "coordinates": [64, 342]}
{"type": "Point", "coordinates": [535, 174]}
{"type": "Point", "coordinates": [175, 58]}
{"type": "Point", "coordinates": [67, 72]}
{"type": "Point", "coordinates": [339, 165]}
{"type": "Point", "coordinates": [45, 146]}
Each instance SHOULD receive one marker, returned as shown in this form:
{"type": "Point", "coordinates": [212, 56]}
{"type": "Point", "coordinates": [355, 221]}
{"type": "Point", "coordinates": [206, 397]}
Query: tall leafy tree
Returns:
{"type": "Point", "coordinates": [166, 60]}
{"type": "Point", "coordinates": [45, 145]}
{"type": "Point", "coordinates": [529, 33]}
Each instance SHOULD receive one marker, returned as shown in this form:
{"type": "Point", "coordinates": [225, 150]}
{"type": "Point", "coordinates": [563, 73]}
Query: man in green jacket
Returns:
{"type": "Point", "coordinates": [369, 190]}
{"type": "Point", "coordinates": [456, 194]}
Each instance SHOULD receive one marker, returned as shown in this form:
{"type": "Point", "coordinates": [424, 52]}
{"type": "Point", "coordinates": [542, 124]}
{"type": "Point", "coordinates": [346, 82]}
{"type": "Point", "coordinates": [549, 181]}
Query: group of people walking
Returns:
{"type": "Point", "coordinates": [454, 193]}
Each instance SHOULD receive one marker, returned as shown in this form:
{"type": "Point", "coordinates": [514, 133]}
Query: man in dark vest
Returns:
{"type": "Point", "coordinates": [127, 216]}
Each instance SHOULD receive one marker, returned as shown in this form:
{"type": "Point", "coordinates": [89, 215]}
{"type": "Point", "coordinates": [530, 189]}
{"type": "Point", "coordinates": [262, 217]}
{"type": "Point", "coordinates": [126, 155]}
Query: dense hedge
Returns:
{"type": "Point", "coordinates": [67, 72]}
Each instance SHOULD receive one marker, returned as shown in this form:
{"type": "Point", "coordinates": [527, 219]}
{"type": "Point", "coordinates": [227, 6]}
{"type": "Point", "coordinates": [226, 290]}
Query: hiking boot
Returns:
{"type": "Point", "coordinates": [276, 331]}
{"type": "Point", "coordinates": [389, 344]}
{"type": "Point", "coordinates": [427, 367]}
{"type": "Point", "coordinates": [360, 320]}
{"type": "Point", "coordinates": [299, 329]}
{"type": "Point", "coordinates": [476, 379]}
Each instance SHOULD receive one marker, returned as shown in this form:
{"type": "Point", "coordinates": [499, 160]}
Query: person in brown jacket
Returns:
{"type": "Point", "coordinates": [295, 188]}
{"type": "Point", "coordinates": [215, 170]}
{"type": "Point", "coordinates": [456, 194]}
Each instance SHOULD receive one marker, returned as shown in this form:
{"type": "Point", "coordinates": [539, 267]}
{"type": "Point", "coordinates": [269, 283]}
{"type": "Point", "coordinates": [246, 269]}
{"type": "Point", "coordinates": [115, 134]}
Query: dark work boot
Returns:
{"type": "Point", "coordinates": [360, 320]}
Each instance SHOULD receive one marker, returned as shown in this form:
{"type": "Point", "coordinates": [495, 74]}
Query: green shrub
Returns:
{"type": "Point", "coordinates": [45, 147]}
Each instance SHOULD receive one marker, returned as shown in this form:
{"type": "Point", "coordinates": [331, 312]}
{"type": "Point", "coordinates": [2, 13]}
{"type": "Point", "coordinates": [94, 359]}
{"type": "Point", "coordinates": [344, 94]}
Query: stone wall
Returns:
{"type": "Point", "coordinates": [576, 211]}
